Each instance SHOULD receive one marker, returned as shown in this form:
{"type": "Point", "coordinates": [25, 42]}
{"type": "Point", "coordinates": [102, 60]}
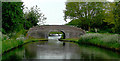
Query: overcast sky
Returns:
{"type": "Point", "coordinates": [53, 10]}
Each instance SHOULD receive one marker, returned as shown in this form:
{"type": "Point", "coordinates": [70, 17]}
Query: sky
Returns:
{"type": "Point", "coordinates": [52, 9]}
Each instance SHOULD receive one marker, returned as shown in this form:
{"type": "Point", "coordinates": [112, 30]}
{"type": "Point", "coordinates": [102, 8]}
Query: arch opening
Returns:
{"type": "Point", "coordinates": [59, 34]}
{"type": "Point", "coordinates": [63, 35]}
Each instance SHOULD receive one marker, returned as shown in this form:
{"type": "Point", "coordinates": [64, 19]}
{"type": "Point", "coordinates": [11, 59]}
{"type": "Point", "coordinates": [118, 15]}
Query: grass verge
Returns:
{"type": "Point", "coordinates": [70, 39]}
{"type": "Point", "coordinates": [109, 41]}
{"type": "Point", "coordinates": [105, 40]}
{"type": "Point", "coordinates": [10, 44]}
{"type": "Point", "coordinates": [14, 40]}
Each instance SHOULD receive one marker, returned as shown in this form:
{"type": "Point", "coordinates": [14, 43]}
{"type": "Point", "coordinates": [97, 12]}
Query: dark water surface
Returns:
{"type": "Point", "coordinates": [54, 49]}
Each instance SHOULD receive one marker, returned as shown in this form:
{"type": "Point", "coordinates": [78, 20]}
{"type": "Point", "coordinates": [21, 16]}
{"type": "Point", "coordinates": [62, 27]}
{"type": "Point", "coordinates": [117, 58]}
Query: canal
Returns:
{"type": "Point", "coordinates": [55, 49]}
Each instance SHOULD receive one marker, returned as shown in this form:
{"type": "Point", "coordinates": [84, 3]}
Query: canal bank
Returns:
{"type": "Point", "coordinates": [11, 45]}
{"type": "Point", "coordinates": [66, 45]}
{"type": "Point", "coordinates": [106, 41]}
{"type": "Point", "coordinates": [94, 39]}
{"type": "Point", "coordinates": [54, 49]}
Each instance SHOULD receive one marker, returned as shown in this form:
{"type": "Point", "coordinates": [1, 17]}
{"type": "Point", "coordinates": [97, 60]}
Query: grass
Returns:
{"type": "Point", "coordinates": [104, 40]}
{"type": "Point", "coordinates": [9, 44]}
{"type": "Point", "coordinates": [71, 39]}
{"type": "Point", "coordinates": [14, 41]}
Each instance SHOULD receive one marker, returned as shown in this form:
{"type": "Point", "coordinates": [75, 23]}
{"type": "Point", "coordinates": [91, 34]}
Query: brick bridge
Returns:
{"type": "Point", "coordinates": [44, 30]}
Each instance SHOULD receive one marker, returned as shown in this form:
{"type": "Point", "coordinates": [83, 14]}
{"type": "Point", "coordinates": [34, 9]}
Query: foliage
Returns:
{"type": "Point", "coordinates": [0, 16]}
{"type": "Point", "coordinates": [33, 17]}
{"type": "Point", "coordinates": [8, 44]}
{"type": "Point", "coordinates": [12, 16]}
{"type": "Point", "coordinates": [85, 13]}
{"type": "Point", "coordinates": [117, 18]}
{"type": "Point", "coordinates": [15, 20]}
{"type": "Point", "coordinates": [94, 15]}
{"type": "Point", "coordinates": [55, 33]}
{"type": "Point", "coordinates": [76, 22]}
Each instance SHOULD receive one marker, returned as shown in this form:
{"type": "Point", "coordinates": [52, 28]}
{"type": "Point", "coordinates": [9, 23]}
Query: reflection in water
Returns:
{"type": "Point", "coordinates": [63, 43]}
{"type": "Point", "coordinates": [54, 49]}
{"type": "Point", "coordinates": [54, 37]}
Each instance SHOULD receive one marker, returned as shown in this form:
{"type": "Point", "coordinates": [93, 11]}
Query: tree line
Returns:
{"type": "Point", "coordinates": [103, 16]}
{"type": "Point", "coordinates": [16, 17]}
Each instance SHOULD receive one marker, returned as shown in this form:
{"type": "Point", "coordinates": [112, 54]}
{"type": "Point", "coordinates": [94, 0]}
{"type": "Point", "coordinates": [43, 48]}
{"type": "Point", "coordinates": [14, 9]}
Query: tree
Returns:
{"type": "Point", "coordinates": [0, 16]}
{"type": "Point", "coordinates": [75, 22]}
{"type": "Point", "coordinates": [102, 15]}
{"type": "Point", "coordinates": [112, 16]}
{"type": "Point", "coordinates": [117, 18]}
{"type": "Point", "coordinates": [109, 13]}
{"type": "Point", "coordinates": [87, 12]}
{"type": "Point", "coordinates": [33, 16]}
{"type": "Point", "coordinates": [12, 16]}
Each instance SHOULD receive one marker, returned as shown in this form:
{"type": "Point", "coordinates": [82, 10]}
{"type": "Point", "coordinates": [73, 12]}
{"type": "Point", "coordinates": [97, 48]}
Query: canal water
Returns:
{"type": "Point", "coordinates": [54, 49]}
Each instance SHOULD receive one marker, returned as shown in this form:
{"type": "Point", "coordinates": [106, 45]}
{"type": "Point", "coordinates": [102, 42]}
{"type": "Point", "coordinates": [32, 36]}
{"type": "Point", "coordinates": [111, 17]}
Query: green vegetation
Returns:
{"type": "Point", "coordinates": [12, 17]}
{"type": "Point", "coordinates": [71, 39]}
{"type": "Point", "coordinates": [14, 40]}
{"type": "Point", "coordinates": [16, 21]}
{"type": "Point", "coordinates": [33, 17]}
{"type": "Point", "coordinates": [101, 20]}
{"type": "Point", "coordinates": [17, 54]}
{"type": "Point", "coordinates": [99, 17]}
{"type": "Point", "coordinates": [55, 33]}
{"type": "Point", "coordinates": [101, 53]}
{"type": "Point", "coordinates": [92, 16]}
{"type": "Point", "coordinates": [105, 40]}
{"type": "Point", "coordinates": [62, 37]}
{"type": "Point", "coordinates": [8, 44]}
{"type": "Point", "coordinates": [15, 17]}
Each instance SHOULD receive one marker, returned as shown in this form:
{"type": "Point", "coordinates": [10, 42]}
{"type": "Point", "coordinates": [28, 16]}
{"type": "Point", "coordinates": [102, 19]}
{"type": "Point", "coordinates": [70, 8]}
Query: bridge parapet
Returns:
{"type": "Point", "coordinates": [44, 30]}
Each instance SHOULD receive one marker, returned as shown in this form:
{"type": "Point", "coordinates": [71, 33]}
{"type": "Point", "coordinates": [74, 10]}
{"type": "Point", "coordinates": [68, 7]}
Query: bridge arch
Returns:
{"type": "Point", "coordinates": [43, 31]}
{"type": "Point", "coordinates": [62, 31]}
